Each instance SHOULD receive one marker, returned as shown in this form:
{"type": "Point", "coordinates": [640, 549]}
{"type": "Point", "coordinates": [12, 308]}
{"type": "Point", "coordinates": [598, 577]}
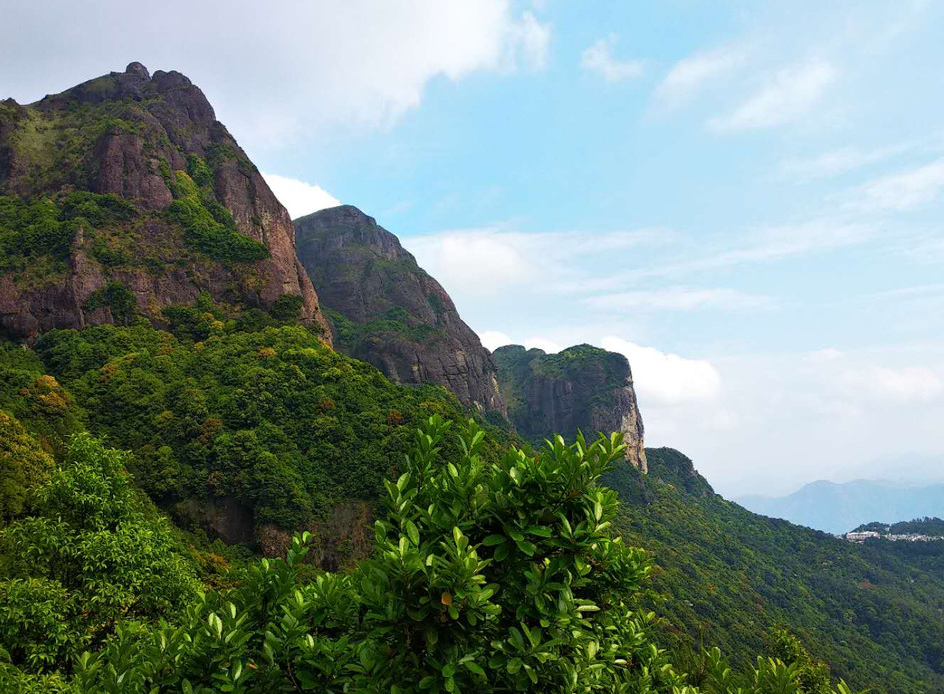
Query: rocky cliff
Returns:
{"type": "Point", "coordinates": [125, 195]}
{"type": "Point", "coordinates": [387, 311]}
{"type": "Point", "coordinates": [582, 387]}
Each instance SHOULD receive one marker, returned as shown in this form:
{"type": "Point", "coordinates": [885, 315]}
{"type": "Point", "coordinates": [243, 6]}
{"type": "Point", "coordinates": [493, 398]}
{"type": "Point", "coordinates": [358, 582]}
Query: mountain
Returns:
{"type": "Point", "coordinates": [582, 387]}
{"type": "Point", "coordinates": [729, 577]}
{"type": "Point", "coordinates": [386, 310]}
{"type": "Point", "coordinates": [124, 195]}
{"type": "Point", "coordinates": [838, 508]}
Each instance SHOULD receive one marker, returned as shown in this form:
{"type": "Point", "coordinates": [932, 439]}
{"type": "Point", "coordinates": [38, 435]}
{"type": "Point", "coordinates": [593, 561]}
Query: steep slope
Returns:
{"type": "Point", "coordinates": [729, 577]}
{"type": "Point", "coordinates": [582, 387]}
{"type": "Point", "coordinates": [387, 311]}
{"type": "Point", "coordinates": [838, 508]}
{"type": "Point", "coordinates": [125, 195]}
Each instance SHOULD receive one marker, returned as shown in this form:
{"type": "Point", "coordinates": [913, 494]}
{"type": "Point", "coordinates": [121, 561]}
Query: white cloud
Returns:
{"type": "Point", "coordinates": [299, 198]}
{"type": "Point", "coordinates": [773, 243]}
{"type": "Point", "coordinates": [667, 379]}
{"type": "Point", "coordinates": [278, 73]}
{"type": "Point", "coordinates": [689, 76]}
{"type": "Point", "coordinates": [902, 385]}
{"type": "Point", "coordinates": [548, 346]}
{"type": "Point", "coordinates": [837, 161]}
{"type": "Point", "coordinates": [599, 58]}
{"type": "Point", "coordinates": [484, 262]}
{"type": "Point", "coordinates": [901, 191]}
{"type": "Point", "coordinates": [679, 299]}
{"type": "Point", "coordinates": [531, 39]}
{"type": "Point", "coordinates": [789, 95]}
{"type": "Point", "coordinates": [493, 339]}
{"type": "Point", "coordinates": [826, 354]}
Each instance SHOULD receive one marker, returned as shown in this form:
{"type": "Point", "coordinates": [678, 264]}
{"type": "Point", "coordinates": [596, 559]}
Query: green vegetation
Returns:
{"type": "Point", "coordinates": [90, 553]}
{"type": "Point", "coordinates": [47, 226]}
{"type": "Point", "coordinates": [918, 526]}
{"type": "Point", "coordinates": [498, 577]}
{"type": "Point", "coordinates": [351, 336]}
{"type": "Point", "coordinates": [274, 419]}
{"type": "Point", "coordinates": [54, 143]}
{"type": "Point", "coordinates": [589, 375]}
{"type": "Point", "coordinates": [728, 577]}
{"type": "Point", "coordinates": [23, 465]}
{"type": "Point", "coordinates": [116, 297]}
{"type": "Point", "coordinates": [35, 399]}
{"type": "Point", "coordinates": [207, 225]}
{"type": "Point", "coordinates": [570, 362]}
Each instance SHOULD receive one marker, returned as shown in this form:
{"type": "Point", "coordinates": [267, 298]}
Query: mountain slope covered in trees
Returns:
{"type": "Point", "coordinates": [727, 576]}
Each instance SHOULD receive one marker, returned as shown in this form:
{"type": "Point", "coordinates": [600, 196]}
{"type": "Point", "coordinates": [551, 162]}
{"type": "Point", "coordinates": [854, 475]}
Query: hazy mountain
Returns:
{"type": "Point", "coordinates": [838, 508]}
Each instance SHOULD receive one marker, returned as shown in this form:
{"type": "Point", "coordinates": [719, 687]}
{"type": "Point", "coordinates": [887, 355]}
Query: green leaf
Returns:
{"type": "Point", "coordinates": [413, 532]}
{"type": "Point", "coordinates": [474, 667]}
{"type": "Point", "coordinates": [527, 547]}
{"type": "Point", "coordinates": [493, 540]}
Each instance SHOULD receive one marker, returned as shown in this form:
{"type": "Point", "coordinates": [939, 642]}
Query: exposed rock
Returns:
{"type": "Point", "coordinates": [126, 134]}
{"type": "Point", "coordinates": [582, 387]}
{"type": "Point", "coordinates": [226, 518]}
{"type": "Point", "coordinates": [387, 311]}
{"type": "Point", "coordinates": [339, 542]}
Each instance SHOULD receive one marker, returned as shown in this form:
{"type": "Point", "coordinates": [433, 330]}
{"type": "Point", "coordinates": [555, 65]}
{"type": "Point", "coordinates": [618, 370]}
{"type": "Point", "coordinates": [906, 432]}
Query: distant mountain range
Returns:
{"type": "Point", "coordinates": [838, 508]}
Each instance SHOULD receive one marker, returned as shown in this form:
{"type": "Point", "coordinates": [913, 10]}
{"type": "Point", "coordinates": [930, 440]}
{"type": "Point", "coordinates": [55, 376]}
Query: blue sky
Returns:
{"type": "Point", "coordinates": [744, 198]}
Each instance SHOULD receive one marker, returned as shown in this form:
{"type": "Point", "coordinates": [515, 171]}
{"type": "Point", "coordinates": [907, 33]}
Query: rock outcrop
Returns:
{"type": "Point", "coordinates": [387, 311]}
{"type": "Point", "coordinates": [201, 219]}
{"type": "Point", "coordinates": [582, 387]}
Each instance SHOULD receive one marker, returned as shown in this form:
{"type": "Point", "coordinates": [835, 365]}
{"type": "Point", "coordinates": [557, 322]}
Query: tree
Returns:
{"type": "Point", "coordinates": [92, 552]}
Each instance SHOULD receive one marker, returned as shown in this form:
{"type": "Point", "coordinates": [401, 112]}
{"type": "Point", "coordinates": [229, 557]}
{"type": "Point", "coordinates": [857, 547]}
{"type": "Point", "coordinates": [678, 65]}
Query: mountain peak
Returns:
{"type": "Point", "coordinates": [582, 387]}
{"type": "Point", "coordinates": [142, 189]}
{"type": "Point", "coordinates": [136, 68]}
{"type": "Point", "coordinates": [341, 214]}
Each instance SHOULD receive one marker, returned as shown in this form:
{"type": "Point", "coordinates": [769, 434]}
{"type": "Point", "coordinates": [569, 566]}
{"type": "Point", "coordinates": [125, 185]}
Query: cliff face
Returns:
{"type": "Point", "coordinates": [582, 387]}
{"type": "Point", "coordinates": [387, 311]}
{"type": "Point", "coordinates": [124, 195]}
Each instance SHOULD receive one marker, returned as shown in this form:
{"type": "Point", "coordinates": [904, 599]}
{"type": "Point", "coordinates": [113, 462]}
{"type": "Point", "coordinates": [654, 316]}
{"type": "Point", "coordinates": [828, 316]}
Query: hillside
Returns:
{"type": "Point", "coordinates": [728, 576]}
{"type": "Point", "coordinates": [386, 310]}
{"type": "Point", "coordinates": [838, 508]}
{"type": "Point", "coordinates": [580, 388]}
{"type": "Point", "coordinates": [125, 195]}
